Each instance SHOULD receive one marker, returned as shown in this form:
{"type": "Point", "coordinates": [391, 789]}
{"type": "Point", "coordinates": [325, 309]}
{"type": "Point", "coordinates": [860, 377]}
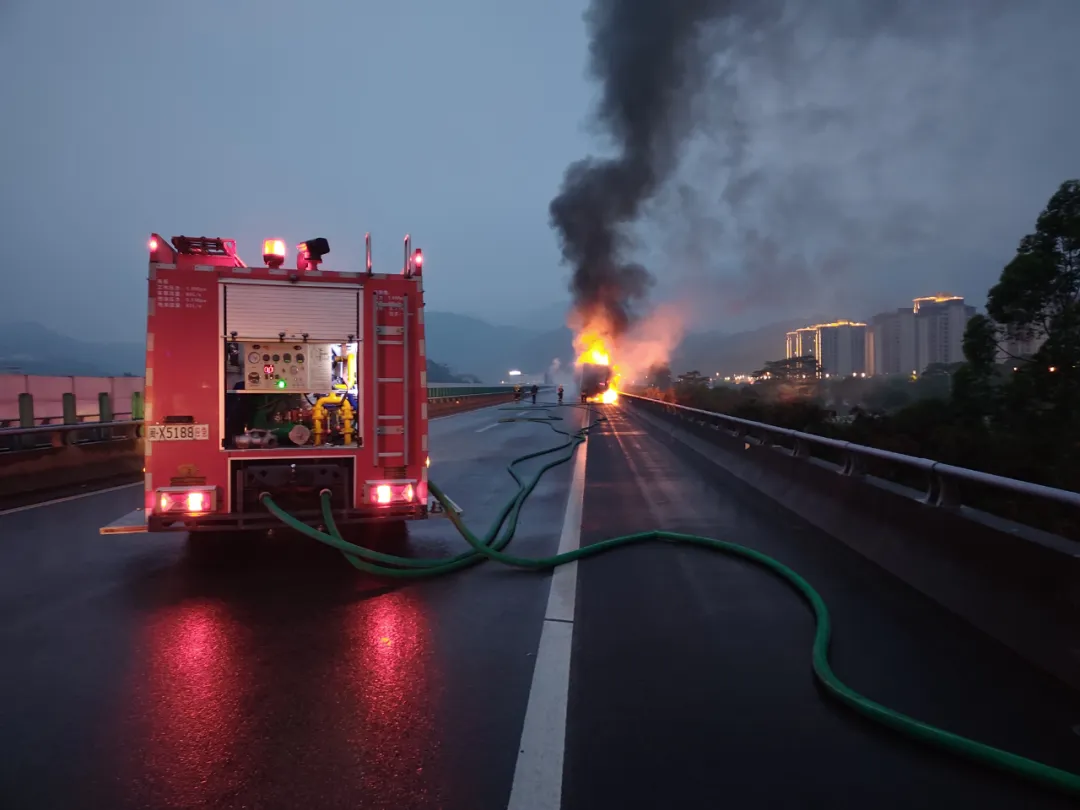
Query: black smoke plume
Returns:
{"type": "Point", "coordinates": [650, 58]}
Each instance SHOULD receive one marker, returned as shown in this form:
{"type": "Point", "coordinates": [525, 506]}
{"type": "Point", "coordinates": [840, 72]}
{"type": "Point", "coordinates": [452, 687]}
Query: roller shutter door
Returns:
{"type": "Point", "coordinates": [264, 311]}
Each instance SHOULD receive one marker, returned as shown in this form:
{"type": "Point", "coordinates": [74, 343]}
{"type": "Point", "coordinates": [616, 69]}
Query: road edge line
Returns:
{"type": "Point", "coordinates": [66, 498]}
{"type": "Point", "coordinates": [538, 774]}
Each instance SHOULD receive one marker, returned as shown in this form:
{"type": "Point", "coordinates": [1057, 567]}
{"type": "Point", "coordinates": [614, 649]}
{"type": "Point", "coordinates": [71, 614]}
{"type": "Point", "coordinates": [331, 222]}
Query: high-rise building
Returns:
{"type": "Point", "coordinates": [940, 321]}
{"type": "Point", "coordinates": [801, 342]}
{"type": "Point", "coordinates": [840, 347]}
{"type": "Point", "coordinates": [908, 340]}
{"type": "Point", "coordinates": [891, 343]}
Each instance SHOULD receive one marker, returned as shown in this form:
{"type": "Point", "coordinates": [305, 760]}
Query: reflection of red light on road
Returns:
{"type": "Point", "coordinates": [187, 691]}
{"type": "Point", "coordinates": [394, 683]}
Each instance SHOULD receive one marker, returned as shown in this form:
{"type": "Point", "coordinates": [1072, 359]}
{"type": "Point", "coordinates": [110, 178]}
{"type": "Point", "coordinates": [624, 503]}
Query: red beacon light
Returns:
{"type": "Point", "coordinates": [274, 252]}
{"type": "Point", "coordinates": [159, 249]}
{"type": "Point", "coordinates": [418, 261]}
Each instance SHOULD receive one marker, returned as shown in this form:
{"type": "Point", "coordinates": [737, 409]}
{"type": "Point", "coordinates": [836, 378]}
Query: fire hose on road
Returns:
{"type": "Point", "coordinates": [491, 547]}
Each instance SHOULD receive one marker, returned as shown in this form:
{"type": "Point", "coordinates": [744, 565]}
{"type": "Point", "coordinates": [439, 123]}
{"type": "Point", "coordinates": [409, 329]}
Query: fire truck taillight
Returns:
{"type": "Point", "coordinates": [274, 252]}
{"type": "Point", "coordinates": [387, 494]}
{"type": "Point", "coordinates": [186, 500]}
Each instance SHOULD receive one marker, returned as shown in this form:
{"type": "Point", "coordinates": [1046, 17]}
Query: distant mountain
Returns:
{"type": "Point", "coordinates": [460, 344]}
{"type": "Point", "coordinates": [30, 348]}
{"type": "Point", "coordinates": [542, 317]}
{"type": "Point", "coordinates": [739, 353]}
{"type": "Point", "coordinates": [472, 346]}
{"type": "Point", "coordinates": [477, 347]}
{"type": "Point", "coordinates": [467, 346]}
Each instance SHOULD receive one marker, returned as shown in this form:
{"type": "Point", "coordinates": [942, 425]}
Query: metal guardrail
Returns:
{"type": "Point", "coordinates": [941, 489]}
{"type": "Point", "coordinates": [12, 438]}
{"type": "Point", "coordinates": [78, 426]}
{"type": "Point", "coordinates": [57, 419]}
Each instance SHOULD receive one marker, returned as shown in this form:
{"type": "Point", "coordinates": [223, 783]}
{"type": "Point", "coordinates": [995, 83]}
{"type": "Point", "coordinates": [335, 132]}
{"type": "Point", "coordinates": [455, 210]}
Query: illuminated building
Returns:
{"type": "Point", "coordinates": [940, 321]}
{"type": "Point", "coordinates": [840, 347]}
{"type": "Point", "coordinates": [801, 342]}
{"type": "Point", "coordinates": [908, 340]}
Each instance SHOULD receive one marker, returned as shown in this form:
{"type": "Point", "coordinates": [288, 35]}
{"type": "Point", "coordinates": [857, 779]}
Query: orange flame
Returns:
{"type": "Point", "coordinates": [594, 349]}
{"type": "Point", "coordinates": [596, 353]}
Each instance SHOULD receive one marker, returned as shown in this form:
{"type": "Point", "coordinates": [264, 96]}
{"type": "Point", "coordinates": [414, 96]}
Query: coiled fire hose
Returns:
{"type": "Point", "coordinates": [491, 547]}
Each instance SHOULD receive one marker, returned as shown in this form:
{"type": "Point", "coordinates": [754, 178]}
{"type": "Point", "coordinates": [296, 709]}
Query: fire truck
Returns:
{"type": "Point", "coordinates": [286, 381]}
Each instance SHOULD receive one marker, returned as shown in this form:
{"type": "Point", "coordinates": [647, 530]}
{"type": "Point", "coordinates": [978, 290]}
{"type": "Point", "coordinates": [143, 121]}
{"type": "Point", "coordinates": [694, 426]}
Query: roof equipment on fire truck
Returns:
{"type": "Point", "coordinates": [309, 254]}
{"type": "Point", "coordinates": [414, 259]}
{"type": "Point", "coordinates": [367, 252]}
{"type": "Point", "coordinates": [274, 252]}
{"type": "Point", "coordinates": [204, 245]}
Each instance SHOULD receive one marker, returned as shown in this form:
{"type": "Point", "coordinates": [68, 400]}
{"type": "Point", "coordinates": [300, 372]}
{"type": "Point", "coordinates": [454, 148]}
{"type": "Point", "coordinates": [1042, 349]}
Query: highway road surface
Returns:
{"type": "Point", "coordinates": [136, 674]}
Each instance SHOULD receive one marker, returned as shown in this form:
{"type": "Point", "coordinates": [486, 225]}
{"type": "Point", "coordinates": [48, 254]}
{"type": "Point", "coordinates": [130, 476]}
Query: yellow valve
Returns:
{"type": "Point", "coordinates": [346, 421]}
{"type": "Point", "coordinates": [318, 413]}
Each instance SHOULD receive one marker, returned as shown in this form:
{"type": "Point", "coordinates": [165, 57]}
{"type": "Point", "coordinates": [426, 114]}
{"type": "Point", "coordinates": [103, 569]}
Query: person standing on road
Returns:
{"type": "Point", "coordinates": [535, 390]}
{"type": "Point", "coordinates": [560, 395]}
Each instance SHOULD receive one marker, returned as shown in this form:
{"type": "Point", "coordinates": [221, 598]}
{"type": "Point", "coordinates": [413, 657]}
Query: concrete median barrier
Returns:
{"type": "Point", "coordinates": [24, 472]}
{"type": "Point", "coordinates": [444, 406]}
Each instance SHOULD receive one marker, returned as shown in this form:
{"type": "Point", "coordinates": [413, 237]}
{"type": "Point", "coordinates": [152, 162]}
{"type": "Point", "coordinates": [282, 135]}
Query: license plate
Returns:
{"type": "Point", "coordinates": [178, 433]}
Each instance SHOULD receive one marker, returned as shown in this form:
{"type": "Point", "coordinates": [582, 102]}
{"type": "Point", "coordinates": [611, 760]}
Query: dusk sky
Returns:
{"type": "Point", "coordinates": [849, 162]}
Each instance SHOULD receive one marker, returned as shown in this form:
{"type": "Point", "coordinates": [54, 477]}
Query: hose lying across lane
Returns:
{"type": "Point", "coordinates": [491, 547]}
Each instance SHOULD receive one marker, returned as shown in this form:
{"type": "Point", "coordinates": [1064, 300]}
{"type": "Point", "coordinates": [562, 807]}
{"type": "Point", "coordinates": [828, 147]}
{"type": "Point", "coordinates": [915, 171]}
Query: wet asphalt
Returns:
{"type": "Point", "coordinates": [141, 672]}
{"type": "Point", "coordinates": [691, 682]}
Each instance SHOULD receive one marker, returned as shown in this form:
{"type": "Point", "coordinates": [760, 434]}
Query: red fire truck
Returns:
{"type": "Point", "coordinates": [287, 381]}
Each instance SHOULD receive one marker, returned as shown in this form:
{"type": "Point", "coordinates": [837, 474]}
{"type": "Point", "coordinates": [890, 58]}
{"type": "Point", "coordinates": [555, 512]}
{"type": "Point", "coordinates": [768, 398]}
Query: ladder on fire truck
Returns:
{"type": "Point", "coordinates": [390, 319]}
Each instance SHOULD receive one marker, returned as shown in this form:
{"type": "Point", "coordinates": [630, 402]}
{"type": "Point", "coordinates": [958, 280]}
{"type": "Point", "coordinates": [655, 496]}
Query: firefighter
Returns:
{"type": "Point", "coordinates": [517, 393]}
{"type": "Point", "coordinates": [534, 391]}
{"type": "Point", "coordinates": [560, 395]}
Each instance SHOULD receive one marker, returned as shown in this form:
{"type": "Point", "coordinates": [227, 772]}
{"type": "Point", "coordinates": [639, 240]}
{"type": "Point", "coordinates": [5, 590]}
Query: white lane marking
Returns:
{"type": "Point", "coordinates": [488, 427]}
{"type": "Point", "coordinates": [538, 775]}
{"type": "Point", "coordinates": [81, 495]}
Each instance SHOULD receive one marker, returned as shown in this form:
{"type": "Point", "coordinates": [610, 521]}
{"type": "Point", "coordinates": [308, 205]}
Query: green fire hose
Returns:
{"type": "Point", "coordinates": [491, 547]}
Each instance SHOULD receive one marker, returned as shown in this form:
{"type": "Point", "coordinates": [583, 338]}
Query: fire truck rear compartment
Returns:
{"type": "Point", "coordinates": [291, 395]}
{"type": "Point", "coordinates": [294, 481]}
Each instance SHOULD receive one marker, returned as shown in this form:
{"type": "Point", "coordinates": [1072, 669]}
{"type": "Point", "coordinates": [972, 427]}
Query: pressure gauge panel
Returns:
{"type": "Point", "coordinates": [299, 368]}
